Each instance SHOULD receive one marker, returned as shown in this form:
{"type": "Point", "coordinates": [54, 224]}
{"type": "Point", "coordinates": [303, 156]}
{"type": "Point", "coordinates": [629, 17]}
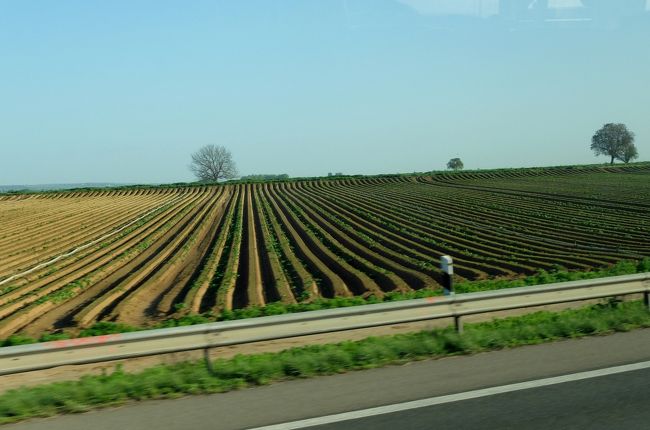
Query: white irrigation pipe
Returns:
{"type": "Point", "coordinates": [89, 244]}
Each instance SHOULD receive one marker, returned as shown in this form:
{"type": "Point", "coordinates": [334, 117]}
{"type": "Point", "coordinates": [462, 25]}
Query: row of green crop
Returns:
{"type": "Point", "coordinates": [276, 274]}
{"type": "Point", "coordinates": [302, 283]}
{"type": "Point", "coordinates": [191, 299]}
{"type": "Point", "coordinates": [223, 283]}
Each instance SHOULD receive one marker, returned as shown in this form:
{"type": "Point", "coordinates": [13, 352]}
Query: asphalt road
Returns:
{"type": "Point", "coordinates": [617, 401]}
{"type": "Point", "coordinates": [609, 402]}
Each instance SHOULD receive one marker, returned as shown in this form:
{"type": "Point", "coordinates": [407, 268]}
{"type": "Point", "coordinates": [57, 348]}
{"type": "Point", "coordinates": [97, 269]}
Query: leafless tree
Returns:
{"type": "Point", "coordinates": [213, 162]}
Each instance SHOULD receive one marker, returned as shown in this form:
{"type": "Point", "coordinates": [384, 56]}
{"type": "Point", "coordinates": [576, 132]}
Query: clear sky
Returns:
{"type": "Point", "coordinates": [125, 90]}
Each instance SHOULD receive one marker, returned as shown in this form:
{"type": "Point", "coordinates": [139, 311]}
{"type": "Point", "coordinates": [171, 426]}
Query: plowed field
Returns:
{"type": "Point", "coordinates": [141, 256]}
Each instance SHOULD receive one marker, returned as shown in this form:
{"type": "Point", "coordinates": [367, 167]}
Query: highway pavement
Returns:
{"type": "Point", "coordinates": [610, 401]}
{"type": "Point", "coordinates": [575, 384]}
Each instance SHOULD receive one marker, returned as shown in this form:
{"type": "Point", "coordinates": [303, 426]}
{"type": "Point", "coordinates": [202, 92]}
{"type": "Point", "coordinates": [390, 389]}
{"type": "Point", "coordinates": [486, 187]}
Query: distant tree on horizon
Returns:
{"type": "Point", "coordinates": [615, 141]}
{"type": "Point", "coordinates": [212, 163]}
{"type": "Point", "coordinates": [455, 164]}
{"type": "Point", "coordinates": [265, 177]}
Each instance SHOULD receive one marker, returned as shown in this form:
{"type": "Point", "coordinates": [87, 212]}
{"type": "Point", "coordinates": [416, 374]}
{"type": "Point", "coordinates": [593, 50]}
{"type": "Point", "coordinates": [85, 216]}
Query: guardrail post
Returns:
{"type": "Point", "coordinates": [208, 362]}
{"type": "Point", "coordinates": [459, 324]}
{"type": "Point", "coordinates": [646, 299]}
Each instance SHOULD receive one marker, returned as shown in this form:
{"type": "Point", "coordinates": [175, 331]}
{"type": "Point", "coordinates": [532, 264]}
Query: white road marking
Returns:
{"type": "Point", "coordinates": [399, 407]}
{"type": "Point", "coordinates": [81, 248]}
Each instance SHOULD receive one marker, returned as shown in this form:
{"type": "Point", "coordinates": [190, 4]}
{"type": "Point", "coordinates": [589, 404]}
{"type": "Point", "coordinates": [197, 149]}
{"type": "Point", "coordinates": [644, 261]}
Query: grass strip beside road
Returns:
{"type": "Point", "coordinates": [170, 381]}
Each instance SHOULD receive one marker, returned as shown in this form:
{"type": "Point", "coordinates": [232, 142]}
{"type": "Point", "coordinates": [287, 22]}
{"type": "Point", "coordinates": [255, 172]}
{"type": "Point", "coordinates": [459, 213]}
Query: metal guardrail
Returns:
{"type": "Point", "coordinates": [24, 358]}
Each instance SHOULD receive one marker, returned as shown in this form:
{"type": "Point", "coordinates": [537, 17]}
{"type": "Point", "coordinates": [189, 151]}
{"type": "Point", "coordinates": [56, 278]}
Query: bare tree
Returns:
{"type": "Point", "coordinates": [613, 140]}
{"type": "Point", "coordinates": [213, 162]}
{"type": "Point", "coordinates": [455, 164]}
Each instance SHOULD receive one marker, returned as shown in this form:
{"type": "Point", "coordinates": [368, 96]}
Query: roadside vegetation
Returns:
{"type": "Point", "coordinates": [170, 381]}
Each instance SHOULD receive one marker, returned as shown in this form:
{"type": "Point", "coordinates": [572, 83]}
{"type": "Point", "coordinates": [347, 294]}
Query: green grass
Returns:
{"type": "Point", "coordinates": [169, 381]}
{"type": "Point", "coordinates": [542, 277]}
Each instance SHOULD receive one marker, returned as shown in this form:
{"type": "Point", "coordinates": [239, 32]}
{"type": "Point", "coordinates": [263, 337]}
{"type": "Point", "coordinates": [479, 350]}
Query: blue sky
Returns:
{"type": "Point", "coordinates": [126, 90]}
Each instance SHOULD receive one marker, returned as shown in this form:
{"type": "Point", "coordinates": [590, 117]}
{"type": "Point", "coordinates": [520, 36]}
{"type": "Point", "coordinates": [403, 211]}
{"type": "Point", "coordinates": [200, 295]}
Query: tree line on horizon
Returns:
{"type": "Point", "coordinates": [212, 163]}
